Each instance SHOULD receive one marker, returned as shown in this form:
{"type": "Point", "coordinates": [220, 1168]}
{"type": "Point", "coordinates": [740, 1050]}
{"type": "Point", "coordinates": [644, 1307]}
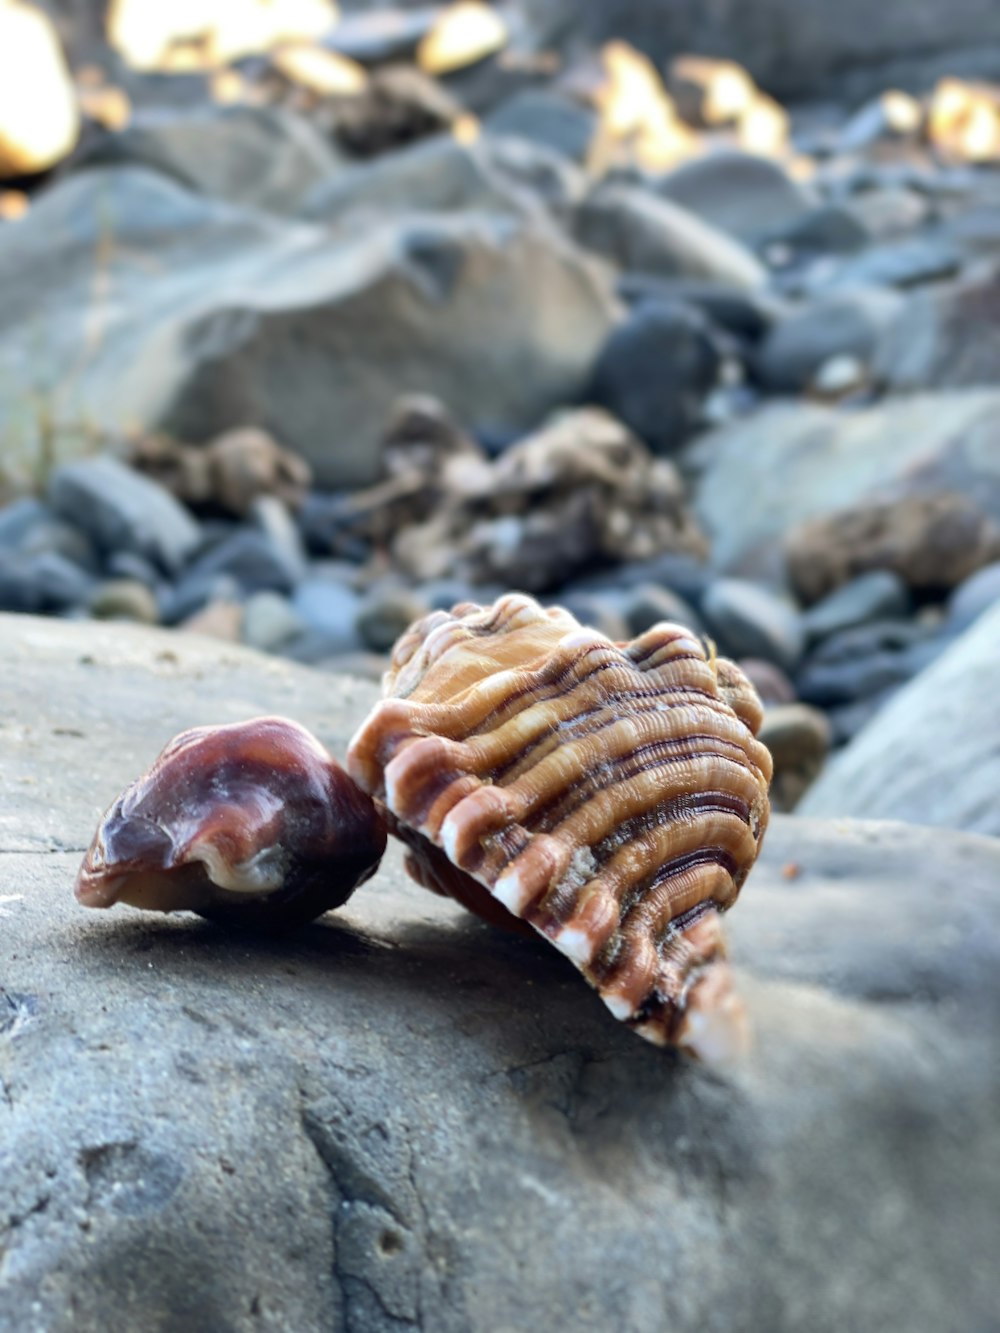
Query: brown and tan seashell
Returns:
{"type": "Point", "coordinates": [613, 796]}
{"type": "Point", "coordinates": [252, 823]}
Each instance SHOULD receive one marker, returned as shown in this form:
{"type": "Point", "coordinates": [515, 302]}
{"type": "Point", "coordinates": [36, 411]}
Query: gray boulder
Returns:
{"type": "Point", "coordinates": [944, 337]}
{"type": "Point", "coordinates": [377, 1123]}
{"type": "Point", "coordinates": [843, 324]}
{"type": "Point", "coordinates": [258, 156]}
{"type": "Point", "coordinates": [932, 755]}
{"type": "Point", "coordinates": [799, 461]}
{"type": "Point", "coordinates": [742, 194]}
{"type": "Point", "coordinates": [207, 317]}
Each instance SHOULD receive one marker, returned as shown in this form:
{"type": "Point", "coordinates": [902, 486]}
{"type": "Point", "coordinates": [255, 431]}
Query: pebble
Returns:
{"type": "Point", "coordinates": [270, 622]}
{"type": "Point", "coordinates": [124, 599]}
{"type": "Point", "coordinates": [799, 739]}
{"type": "Point", "coordinates": [771, 683]}
{"type": "Point", "coordinates": [254, 559]}
{"type": "Point", "coordinates": [840, 375]}
{"type": "Point", "coordinates": [386, 613]}
{"type": "Point", "coordinates": [330, 611]}
{"type": "Point", "coordinates": [878, 595]}
{"type": "Point", "coordinates": [600, 611]}
{"type": "Point", "coordinates": [845, 324]}
{"type": "Point", "coordinates": [196, 591]}
{"type": "Point", "coordinates": [749, 620]}
{"type": "Point", "coordinates": [649, 603]}
{"type": "Point", "coordinates": [122, 510]}
{"type": "Point", "coordinates": [654, 371]}
{"type": "Point", "coordinates": [546, 118]}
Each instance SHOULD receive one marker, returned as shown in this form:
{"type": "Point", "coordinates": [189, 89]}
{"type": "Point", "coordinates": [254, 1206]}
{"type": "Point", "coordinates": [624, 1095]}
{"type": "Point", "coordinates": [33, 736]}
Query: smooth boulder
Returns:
{"type": "Point", "coordinates": [375, 1122]}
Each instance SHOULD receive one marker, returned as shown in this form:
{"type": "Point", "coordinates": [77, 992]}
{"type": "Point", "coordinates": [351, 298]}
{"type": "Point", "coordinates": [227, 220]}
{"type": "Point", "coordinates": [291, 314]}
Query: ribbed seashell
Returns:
{"type": "Point", "coordinates": [252, 823]}
{"type": "Point", "coordinates": [611, 795]}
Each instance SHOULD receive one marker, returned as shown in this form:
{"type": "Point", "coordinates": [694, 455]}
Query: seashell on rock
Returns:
{"type": "Point", "coordinates": [612, 796]}
{"type": "Point", "coordinates": [252, 823]}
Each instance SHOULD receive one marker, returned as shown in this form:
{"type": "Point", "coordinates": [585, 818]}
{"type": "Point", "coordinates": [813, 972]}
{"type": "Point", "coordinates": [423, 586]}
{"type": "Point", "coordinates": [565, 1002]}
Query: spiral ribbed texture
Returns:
{"type": "Point", "coordinates": [612, 796]}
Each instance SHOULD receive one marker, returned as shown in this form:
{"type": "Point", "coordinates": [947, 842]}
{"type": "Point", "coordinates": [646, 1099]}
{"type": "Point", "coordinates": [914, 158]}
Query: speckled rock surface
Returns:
{"type": "Point", "coordinates": [400, 1119]}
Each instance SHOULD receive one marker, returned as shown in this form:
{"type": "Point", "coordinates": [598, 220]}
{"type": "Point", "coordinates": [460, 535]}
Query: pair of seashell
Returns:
{"type": "Point", "coordinates": [610, 796]}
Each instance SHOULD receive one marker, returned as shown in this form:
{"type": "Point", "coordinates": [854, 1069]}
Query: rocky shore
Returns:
{"type": "Point", "coordinates": [300, 343]}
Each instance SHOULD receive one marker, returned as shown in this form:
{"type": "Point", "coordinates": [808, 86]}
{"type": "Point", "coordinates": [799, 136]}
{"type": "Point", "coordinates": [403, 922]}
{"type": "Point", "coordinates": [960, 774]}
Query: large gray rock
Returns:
{"type": "Point", "coordinates": [129, 300]}
{"type": "Point", "coordinates": [748, 196]}
{"type": "Point", "coordinates": [933, 754]}
{"type": "Point", "coordinates": [400, 1118]}
{"type": "Point", "coordinates": [259, 156]}
{"type": "Point", "coordinates": [800, 461]}
{"type": "Point", "coordinates": [943, 338]}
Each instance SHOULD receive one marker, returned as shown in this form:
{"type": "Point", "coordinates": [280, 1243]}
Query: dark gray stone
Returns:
{"type": "Point", "coordinates": [375, 37]}
{"type": "Point", "coordinates": [43, 582]}
{"type": "Point", "coordinates": [270, 515]}
{"type": "Point", "coordinates": [647, 604]}
{"type": "Point", "coordinates": [826, 229]}
{"type": "Point", "coordinates": [253, 559]}
{"type": "Point", "coordinates": [682, 574]}
{"type": "Point", "coordinates": [932, 755]}
{"type": "Point", "coordinates": [751, 621]}
{"type": "Point", "coordinates": [194, 592]}
{"type": "Point", "coordinates": [259, 156]}
{"type": "Point", "coordinates": [124, 511]}
{"type": "Point", "coordinates": [747, 315]}
{"type": "Point", "coordinates": [642, 233]}
{"type": "Point", "coordinates": [270, 622]}
{"type": "Point", "coordinates": [879, 594]}
{"type": "Point", "coordinates": [386, 613]}
{"type": "Point", "coordinates": [899, 263]}
{"type": "Point", "coordinates": [857, 663]}
{"type": "Point", "coordinates": [654, 372]}
{"type": "Point", "coordinates": [848, 323]}
{"type": "Point", "coordinates": [398, 1108]}
{"type": "Point", "coordinates": [747, 196]}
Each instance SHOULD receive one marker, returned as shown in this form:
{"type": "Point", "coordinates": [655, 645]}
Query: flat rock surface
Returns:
{"type": "Point", "coordinates": [399, 1118]}
{"type": "Point", "coordinates": [932, 755]}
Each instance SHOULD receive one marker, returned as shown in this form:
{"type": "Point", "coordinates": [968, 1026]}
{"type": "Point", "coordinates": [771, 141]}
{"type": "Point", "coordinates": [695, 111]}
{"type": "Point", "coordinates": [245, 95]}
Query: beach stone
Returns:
{"type": "Point", "coordinates": [826, 229]}
{"type": "Point", "coordinates": [876, 595]}
{"type": "Point", "coordinates": [932, 542]}
{"type": "Point", "coordinates": [336, 1083]}
{"type": "Point", "coordinates": [46, 581]}
{"type": "Point", "coordinates": [331, 609]}
{"type": "Point", "coordinates": [386, 613]}
{"type": "Point", "coordinates": [124, 599]}
{"type": "Point", "coordinates": [223, 316]}
{"type": "Point", "coordinates": [932, 755]}
{"type": "Point", "coordinates": [39, 116]}
{"type": "Point", "coordinates": [829, 460]}
{"type": "Point", "coordinates": [742, 194]}
{"type": "Point", "coordinates": [798, 737]}
{"type": "Point", "coordinates": [438, 175]}
{"type": "Point", "coordinates": [253, 559]}
{"type": "Point", "coordinates": [944, 337]}
{"type": "Point", "coordinates": [904, 263]}
{"type": "Point", "coordinates": [863, 661]}
{"type": "Point", "coordinates": [654, 371]}
{"type": "Point", "coordinates": [973, 596]}
{"type": "Point", "coordinates": [544, 117]}
{"type": "Point", "coordinates": [121, 510]}
{"type": "Point", "coordinates": [194, 591]}
{"type": "Point", "coordinates": [678, 571]}
{"type": "Point", "coordinates": [770, 682]}
{"type": "Point", "coordinates": [643, 233]}
{"type": "Point", "coordinates": [246, 464]}
{"type": "Point", "coordinates": [600, 611]}
{"type": "Point", "coordinates": [746, 314]}
{"type": "Point", "coordinates": [263, 157]}
{"type": "Point", "coordinates": [376, 37]}
{"type": "Point", "coordinates": [846, 720]}
{"type": "Point", "coordinates": [134, 568]}
{"type": "Point", "coordinates": [751, 621]}
{"type": "Point", "coordinates": [270, 622]}
{"type": "Point", "coordinates": [848, 323]}
{"type": "Point", "coordinates": [646, 604]}
{"type": "Point", "coordinates": [271, 517]}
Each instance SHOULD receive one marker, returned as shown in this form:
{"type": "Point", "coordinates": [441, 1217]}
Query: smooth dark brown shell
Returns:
{"type": "Point", "coordinates": [252, 823]}
{"type": "Point", "coordinates": [613, 796]}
